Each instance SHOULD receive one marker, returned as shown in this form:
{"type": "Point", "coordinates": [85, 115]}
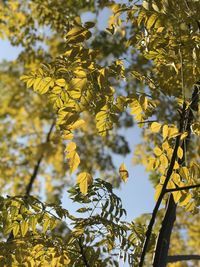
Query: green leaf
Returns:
{"type": "Point", "coordinates": [42, 85]}
{"type": "Point", "coordinates": [33, 223]}
{"type": "Point", "coordinates": [151, 21]}
{"type": "Point", "coordinates": [15, 229]}
{"type": "Point", "coordinates": [23, 227]}
{"type": "Point", "coordinates": [46, 224]}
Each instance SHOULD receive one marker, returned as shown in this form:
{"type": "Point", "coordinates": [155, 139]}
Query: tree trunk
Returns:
{"type": "Point", "coordinates": [163, 241]}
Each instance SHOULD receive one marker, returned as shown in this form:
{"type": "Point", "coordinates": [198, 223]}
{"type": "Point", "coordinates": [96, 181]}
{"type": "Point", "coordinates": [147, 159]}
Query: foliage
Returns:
{"type": "Point", "coordinates": [64, 101]}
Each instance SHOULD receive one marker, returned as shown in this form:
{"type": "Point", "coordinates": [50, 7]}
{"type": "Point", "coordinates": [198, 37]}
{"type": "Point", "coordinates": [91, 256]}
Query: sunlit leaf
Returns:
{"type": "Point", "coordinates": [123, 172]}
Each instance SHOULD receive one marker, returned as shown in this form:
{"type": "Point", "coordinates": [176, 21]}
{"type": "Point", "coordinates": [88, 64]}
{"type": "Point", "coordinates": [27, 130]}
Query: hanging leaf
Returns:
{"type": "Point", "coordinates": [84, 179]}
{"type": "Point", "coordinates": [123, 172]}
{"type": "Point", "coordinates": [72, 156]}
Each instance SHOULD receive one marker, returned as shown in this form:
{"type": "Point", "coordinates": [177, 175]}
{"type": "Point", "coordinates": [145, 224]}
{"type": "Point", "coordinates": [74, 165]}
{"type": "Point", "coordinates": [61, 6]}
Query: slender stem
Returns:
{"type": "Point", "coordinates": [140, 122]}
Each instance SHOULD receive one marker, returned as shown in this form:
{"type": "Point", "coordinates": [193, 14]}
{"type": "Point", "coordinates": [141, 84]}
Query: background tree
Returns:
{"type": "Point", "coordinates": [86, 83]}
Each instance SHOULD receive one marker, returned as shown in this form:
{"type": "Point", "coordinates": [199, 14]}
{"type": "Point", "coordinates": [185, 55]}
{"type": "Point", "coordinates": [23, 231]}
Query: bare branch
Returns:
{"type": "Point", "coordinates": [175, 258]}
{"type": "Point", "coordinates": [182, 188]}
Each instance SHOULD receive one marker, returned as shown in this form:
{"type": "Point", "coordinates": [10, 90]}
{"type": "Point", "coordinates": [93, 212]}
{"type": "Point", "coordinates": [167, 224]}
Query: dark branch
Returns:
{"type": "Point", "coordinates": [163, 191]}
{"type": "Point", "coordinates": [163, 240]}
{"type": "Point", "coordinates": [182, 188]}
{"type": "Point", "coordinates": [175, 258]}
{"type": "Point", "coordinates": [37, 166]}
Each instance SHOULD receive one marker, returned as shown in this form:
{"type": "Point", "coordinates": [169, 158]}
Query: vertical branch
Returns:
{"type": "Point", "coordinates": [37, 166]}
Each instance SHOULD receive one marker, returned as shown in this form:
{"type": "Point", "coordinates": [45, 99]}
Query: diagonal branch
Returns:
{"type": "Point", "coordinates": [37, 166]}
{"type": "Point", "coordinates": [163, 240]}
{"type": "Point", "coordinates": [163, 191]}
{"type": "Point", "coordinates": [182, 188]}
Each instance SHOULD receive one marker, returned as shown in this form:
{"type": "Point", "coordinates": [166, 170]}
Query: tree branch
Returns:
{"type": "Point", "coordinates": [175, 258]}
{"type": "Point", "coordinates": [83, 253]}
{"type": "Point", "coordinates": [182, 188]}
{"type": "Point", "coordinates": [37, 166]}
{"type": "Point", "coordinates": [163, 191]}
{"type": "Point", "coordinates": [163, 240]}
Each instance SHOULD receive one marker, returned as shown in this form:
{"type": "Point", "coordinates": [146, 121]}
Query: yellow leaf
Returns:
{"type": "Point", "coordinates": [61, 82]}
{"type": "Point", "coordinates": [144, 102]}
{"type": "Point", "coordinates": [185, 199]}
{"type": "Point", "coordinates": [67, 135]}
{"type": "Point", "coordinates": [162, 179]}
{"type": "Point", "coordinates": [176, 177]}
{"type": "Point", "coordinates": [151, 20]}
{"type": "Point", "coordinates": [190, 206]}
{"type": "Point", "coordinates": [72, 156]}
{"type": "Point", "coordinates": [15, 229]}
{"type": "Point", "coordinates": [176, 165]}
{"type": "Point", "coordinates": [165, 145]}
{"type": "Point", "coordinates": [33, 223]}
{"type": "Point", "coordinates": [123, 172]}
{"type": "Point", "coordinates": [46, 225]}
{"type": "Point", "coordinates": [84, 179]}
{"type": "Point", "coordinates": [164, 161]}
{"type": "Point", "coordinates": [184, 135]}
{"type": "Point", "coordinates": [180, 152]}
{"type": "Point", "coordinates": [158, 191]}
{"type": "Point", "coordinates": [71, 147]}
{"type": "Point", "coordinates": [177, 196]}
{"type": "Point", "coordinates": [77, 124]}
{"type": "Point", "coordinates": [171, 185]}
{"type": "Point", "coordinates": [165, 131]}
{"type": "Point", "coordinates": [135, 107]}
{"type": "Point", "coordinates": [42, 85]}
{"type": "Point", "coordinates": [155, 127]}
{"type": "Point", "coordinates": [173, 132]}
{"type": "Point", "coordinates": [169, 152]}
{"type": "Point", "coordinates": [157, 151]}
{"type": "Point", "coordinates": [151, 163]}
{"type": "Point", "coordinates": [184, 173]}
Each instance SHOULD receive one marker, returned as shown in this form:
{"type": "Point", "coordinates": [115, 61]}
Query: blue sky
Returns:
{"type": "Point", "coordinates": [137, 194]}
